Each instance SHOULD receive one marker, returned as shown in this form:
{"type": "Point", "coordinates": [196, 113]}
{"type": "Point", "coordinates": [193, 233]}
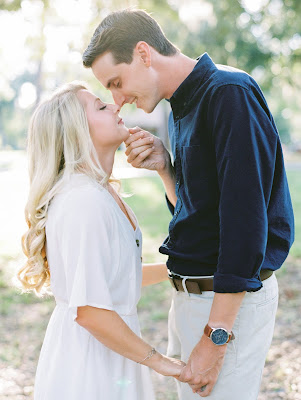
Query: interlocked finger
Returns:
{"type": "Point", "coordinates": [135, 136]}
{"type": "Point", "coordinates": [138, 143]}
{"type": "Point", "coordinates": [137, 163]}
{"type": "Point", "coordinates": [137, 153]}
{"type": "Point", "coordinates": [205, 390]}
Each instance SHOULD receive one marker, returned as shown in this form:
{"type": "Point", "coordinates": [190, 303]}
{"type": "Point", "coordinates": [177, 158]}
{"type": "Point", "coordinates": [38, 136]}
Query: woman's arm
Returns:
{"type": "Point", "coordinates": [154, 273]}
{"type": "Point", "coordinates": [110, 329]}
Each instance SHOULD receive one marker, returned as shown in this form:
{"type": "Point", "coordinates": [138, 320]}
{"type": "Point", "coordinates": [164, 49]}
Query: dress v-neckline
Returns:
{"type": "Point", "coordinates": [131, 218]}
{"type": "Point", "coordinates": [133, 224]}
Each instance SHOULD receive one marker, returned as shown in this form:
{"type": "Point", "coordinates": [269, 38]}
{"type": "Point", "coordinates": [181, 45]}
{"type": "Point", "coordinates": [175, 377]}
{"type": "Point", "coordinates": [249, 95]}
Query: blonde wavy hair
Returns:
{"type": "Point", "coordinates": [59, 144]}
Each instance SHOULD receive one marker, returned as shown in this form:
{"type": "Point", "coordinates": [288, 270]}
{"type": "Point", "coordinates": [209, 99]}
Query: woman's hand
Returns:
{"type": "Point", "coordinates": [145, 150]}
{"type": "Point", "coordinates": [164, 365]}
{"type": "Point", "coordinates": [111, 330]}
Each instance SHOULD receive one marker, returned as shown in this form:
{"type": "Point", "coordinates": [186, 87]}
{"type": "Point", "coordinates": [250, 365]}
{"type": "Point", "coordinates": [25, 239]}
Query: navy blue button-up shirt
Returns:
{"type": "Point", "coordinates": [233, 215]}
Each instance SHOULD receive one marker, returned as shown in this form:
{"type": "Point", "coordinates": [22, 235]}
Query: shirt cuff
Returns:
{"type": "Point", "coordinates": [227, 283]}
{"type": "Point", "coordinates": [169, 205]}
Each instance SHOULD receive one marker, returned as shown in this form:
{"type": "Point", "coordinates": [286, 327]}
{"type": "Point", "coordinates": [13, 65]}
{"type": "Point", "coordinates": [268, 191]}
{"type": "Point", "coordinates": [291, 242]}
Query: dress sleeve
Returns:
{"type": "Point", "coordinates": [245, 147]}
{"type": "Point", "coordinates": [89, 259]}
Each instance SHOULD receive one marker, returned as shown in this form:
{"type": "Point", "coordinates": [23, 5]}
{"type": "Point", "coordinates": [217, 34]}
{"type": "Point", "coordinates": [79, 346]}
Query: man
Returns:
{"type": "Point", "coordinates": [232, 223]}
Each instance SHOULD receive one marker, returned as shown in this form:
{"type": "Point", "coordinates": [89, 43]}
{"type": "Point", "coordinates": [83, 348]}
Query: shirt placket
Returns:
{"type": "Point", "coordinates": [178, 205]}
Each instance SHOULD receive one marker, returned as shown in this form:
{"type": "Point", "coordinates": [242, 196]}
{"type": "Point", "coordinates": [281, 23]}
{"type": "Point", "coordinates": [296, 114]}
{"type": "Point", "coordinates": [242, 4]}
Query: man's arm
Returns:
{"type": "Point", "coordinates": [139, 156]}
{"type": "Point", "coordinates": [168, 178]}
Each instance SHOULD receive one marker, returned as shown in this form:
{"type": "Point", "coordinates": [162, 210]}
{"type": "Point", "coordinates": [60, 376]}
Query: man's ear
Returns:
{"type": "Point", "coordinates": [143, 51]}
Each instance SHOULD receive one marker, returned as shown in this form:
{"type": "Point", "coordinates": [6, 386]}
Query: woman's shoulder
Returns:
{"type": "Point", "coordinates": [80, 194]}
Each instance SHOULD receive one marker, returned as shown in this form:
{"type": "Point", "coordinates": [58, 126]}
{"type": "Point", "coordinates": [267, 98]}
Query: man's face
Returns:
{"type": "Point", "coordinates": [129, 83]}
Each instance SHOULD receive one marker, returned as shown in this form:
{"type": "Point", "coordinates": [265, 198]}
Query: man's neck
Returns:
{"type": "Point", "coordinates": [173, 71]}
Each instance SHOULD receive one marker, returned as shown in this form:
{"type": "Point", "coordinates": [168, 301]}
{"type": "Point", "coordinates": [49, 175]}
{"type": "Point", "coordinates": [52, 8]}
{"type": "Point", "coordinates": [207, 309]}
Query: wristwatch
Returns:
{"type": "Point", "coordinates": [218, 336]}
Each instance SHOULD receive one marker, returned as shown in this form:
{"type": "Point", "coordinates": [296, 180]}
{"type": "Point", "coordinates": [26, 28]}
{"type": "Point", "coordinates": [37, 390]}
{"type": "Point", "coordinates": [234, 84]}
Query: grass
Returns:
{"type": "Point", "coordinates": [148, 203]}
{"type": "Point", "coordinates": [294, 180]}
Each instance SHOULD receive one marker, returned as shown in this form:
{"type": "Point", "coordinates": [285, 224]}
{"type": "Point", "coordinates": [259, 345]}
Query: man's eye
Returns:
{"type": "Point", "coordinates": [102, 108]}
{"type": "Point", "coordinates": [118, 84]}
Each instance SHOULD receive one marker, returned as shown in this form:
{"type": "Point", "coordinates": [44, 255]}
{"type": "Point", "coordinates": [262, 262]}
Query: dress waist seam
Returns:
{"type": "Point", "coordinates": [62, 304]}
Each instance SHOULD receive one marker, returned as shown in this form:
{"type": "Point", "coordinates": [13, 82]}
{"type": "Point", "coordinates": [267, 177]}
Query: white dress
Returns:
{"type": "Point", "coordinates": [94, 256]}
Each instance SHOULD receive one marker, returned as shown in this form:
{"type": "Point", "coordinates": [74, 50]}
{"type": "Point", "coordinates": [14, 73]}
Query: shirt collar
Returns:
{"type": "Point", "coordinates": [185, 91]}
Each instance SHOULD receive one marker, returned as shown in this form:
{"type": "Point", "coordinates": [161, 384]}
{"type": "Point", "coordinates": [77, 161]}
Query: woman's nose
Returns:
{"type": "Point", "coordinates": [116, 108]}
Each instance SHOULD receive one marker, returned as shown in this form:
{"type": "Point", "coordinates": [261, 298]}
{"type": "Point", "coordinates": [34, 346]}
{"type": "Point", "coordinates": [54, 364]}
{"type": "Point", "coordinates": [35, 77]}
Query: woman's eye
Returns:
{"type": "Point", "coordinates": [118, 84]}
{"type": "Point", "coordinates": [102, 108]}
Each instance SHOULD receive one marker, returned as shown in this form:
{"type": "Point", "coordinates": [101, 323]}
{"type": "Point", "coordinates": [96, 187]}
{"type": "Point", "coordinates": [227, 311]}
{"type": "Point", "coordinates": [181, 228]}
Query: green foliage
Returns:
{"type": "Point", "coordinates": [10, 5]}
{"type": "Point", "coordinates": [264, 42]}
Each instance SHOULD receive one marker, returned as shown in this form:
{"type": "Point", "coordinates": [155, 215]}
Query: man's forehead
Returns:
{"type": "Point", "coordinates": [105, 69]}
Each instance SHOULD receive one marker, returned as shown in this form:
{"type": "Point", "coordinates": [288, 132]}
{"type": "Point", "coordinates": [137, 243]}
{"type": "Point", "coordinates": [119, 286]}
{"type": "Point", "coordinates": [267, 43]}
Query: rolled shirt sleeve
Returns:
{"type": "Point", "coordinates": [245, 147]}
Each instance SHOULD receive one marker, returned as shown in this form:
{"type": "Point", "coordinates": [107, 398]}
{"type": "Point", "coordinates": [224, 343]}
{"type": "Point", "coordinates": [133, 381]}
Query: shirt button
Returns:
{"type": "Point", "coordinates": [137, 243]}
{"type": "Point", "coordinates": [178, 182]}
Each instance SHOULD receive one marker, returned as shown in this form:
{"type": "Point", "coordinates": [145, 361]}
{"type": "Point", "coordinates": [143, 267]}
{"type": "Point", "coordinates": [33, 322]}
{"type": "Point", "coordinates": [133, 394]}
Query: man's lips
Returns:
{"type": "Point", "coordinates": [120, 121]}
{"type": "Point", "coordinates": [134, 101]}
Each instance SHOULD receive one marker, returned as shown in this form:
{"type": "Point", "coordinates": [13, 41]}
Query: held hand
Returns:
{"type": "Point", "coordinates": [166, 366]}
{"type": "Point", "coordinates": [145, 150]}
{"type": "Point", "coordinates": [204, 366]}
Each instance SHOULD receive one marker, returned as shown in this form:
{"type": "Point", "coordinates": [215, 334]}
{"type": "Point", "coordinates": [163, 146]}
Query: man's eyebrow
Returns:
{"type": "Point", "coordinates": [110, 81]}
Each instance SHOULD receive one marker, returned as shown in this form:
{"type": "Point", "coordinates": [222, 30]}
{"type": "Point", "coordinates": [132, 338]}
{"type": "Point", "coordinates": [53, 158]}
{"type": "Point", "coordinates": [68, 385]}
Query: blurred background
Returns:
{"type": "Point", "coordinates": [41, 43]}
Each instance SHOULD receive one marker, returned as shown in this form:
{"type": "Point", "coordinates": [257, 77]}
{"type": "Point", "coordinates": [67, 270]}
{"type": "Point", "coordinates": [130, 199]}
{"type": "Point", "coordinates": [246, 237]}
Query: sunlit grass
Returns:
{"type": "Point", "coordinates": [148, 203]}
{"type": "Point", "coordinates": [294, 179]}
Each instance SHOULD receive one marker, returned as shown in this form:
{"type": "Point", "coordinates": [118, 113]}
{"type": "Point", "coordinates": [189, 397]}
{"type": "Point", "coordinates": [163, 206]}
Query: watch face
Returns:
{"type": "Point", "coordinates": [219, 336]}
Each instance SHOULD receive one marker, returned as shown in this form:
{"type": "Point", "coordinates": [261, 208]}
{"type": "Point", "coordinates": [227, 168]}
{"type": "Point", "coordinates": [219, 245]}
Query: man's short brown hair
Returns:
{"type": "Point", "coordinates": [119, 33]}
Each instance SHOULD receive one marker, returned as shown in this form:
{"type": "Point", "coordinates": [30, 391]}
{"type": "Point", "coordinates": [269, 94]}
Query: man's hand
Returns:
{"type": "Point", "coordinates": [203, 366]}
{"type": "Point", "coordinates": [145, 150]}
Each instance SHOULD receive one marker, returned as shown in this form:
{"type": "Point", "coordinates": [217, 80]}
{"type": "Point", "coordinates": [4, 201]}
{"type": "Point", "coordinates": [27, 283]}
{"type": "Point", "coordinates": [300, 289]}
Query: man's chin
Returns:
{"type": "Point", "coordinates": [148, 109]}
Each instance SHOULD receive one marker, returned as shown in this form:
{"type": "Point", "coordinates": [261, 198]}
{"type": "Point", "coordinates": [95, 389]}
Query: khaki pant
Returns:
{"type": "Point", "coordinates": [245, 357]}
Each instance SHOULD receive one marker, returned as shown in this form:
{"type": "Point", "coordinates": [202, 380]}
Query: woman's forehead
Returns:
{"type": "Point", "coordinates": [85, 97]}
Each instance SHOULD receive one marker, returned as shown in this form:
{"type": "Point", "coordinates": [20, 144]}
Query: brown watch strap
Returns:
{"type": "Point", "coordinates": [208, 330]}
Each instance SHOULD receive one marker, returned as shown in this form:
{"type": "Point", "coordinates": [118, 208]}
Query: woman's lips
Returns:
{"type": "Point", "coordinates": [121, 121]}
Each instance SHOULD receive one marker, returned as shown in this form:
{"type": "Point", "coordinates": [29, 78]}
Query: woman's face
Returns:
{"type": "Point", "coordinates": [106, 127]}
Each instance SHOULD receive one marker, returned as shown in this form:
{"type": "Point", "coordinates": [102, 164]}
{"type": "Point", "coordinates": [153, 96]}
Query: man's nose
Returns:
{"type": "Point", "coordinates": [116, 108]}
{"type": "Point", "coordinates": [119, 99]}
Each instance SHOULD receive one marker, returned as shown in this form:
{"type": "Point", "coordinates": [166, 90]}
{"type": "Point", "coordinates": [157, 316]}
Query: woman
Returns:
{"type": "Point", "coordinates": [92, 348]}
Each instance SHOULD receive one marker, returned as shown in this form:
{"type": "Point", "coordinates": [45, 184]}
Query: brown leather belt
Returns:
{"type": "Point", "coordinates": [199, 285]}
